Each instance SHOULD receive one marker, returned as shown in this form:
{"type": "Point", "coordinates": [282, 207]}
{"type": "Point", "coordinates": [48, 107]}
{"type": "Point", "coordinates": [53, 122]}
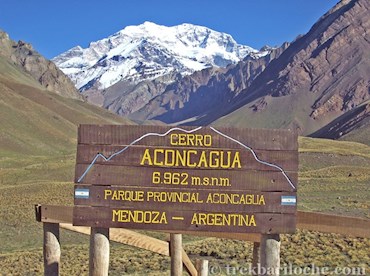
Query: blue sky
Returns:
{"type": "Point", "coordinates": [53, 27]}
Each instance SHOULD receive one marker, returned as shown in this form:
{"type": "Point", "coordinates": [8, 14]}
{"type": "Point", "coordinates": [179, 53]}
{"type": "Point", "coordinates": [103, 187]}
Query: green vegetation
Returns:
{"type": "Point", "coordinates": [38, 122]}
{"type": "Point", "coordinates": [281, 112]}
{"type": "Point", "coordinates": [325, 185]}
{"type": "Point", "coordinates": [38, 134]}
{"type": "Point", "coordinates": [334, 177]}
{"type": "Point", "coordinates": [361, 134]}
{"type": "Point", "coordinates": [37, 158]}
{"type": "Point", "coordinates": [12, 72]}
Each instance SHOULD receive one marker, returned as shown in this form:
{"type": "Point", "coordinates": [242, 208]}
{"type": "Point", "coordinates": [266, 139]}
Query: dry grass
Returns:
{"type": "Point", "coordinates": [329, 181]}
{"type": "Point", "coordinates": [300, 250]}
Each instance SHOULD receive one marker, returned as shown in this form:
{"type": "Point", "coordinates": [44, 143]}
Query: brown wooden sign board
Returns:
{"type": "Point", "coordinates": [104, 174]}
{"type": "Point", "coordinates": [195, 179]}
{"type": "Point", "coordinates": [189, 199]}
{"type": "Point", "coordinates": [266, 139]}
{"type": "Point", "coordinates": [185, 158]}
{"type": "Point", "coordinates": [183, 220]}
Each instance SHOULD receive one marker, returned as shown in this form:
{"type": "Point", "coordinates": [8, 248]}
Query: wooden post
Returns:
{"type": "Point", "coordinates": [255, 260]}
{"type": "Point", "coordinates": [202, 267]}
{"type": "Point", "coordinates": [270, 254]}
{"type": "Point", "coordinates": [99, 252]}
{"type": "Point", "coordinates": [51, 249]}
{"type": "Point", "coordinates": [176, 254]}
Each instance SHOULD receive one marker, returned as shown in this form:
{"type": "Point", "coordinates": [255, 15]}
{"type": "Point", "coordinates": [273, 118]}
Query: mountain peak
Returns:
{"type": "Point", "coordinates": [147, 51]}
{"type": "Point", "coordinates": [146, 28]}
{"type": "Point", "coordinates": [23, 55]}
{"type": "Point", "coordinates": [323, 77]}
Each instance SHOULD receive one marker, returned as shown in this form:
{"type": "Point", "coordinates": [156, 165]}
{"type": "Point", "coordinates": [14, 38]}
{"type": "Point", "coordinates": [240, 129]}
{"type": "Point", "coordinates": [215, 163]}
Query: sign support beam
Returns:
{"type": "Point", "coordinates": [99, 252]}
{"type": "Point", "coordinates": [270, 254]}
{"type": "Point", "coordinates": [176, 254]}
{"type": "Point", "coordinates": [51, 249]}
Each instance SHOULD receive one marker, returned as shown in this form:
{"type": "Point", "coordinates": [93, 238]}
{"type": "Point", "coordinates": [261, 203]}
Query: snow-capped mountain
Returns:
{"type": "Point", "coordinates": [148, 51]}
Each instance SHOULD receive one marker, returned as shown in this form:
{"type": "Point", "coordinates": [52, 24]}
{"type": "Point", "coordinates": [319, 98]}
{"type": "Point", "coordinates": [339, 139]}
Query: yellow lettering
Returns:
{"type": "Point", "coordinates": [124, 195]}
{"type": "Point", "coordinates": [202, 218]}
{"type": "Point", "coordinates": [252, 221]}
{"type": "Point", "coordinates": [219, 219]}
{"type": "Point", "coordinates": [194, 220]}
{"type": "Point", "coordinates": [156, 162]}
{"type": "Point", "coordinates": [115, 213]}
{"type": "Point", "coordinates": [191, 158]}
{"type": "Point", "coordinates": [107, 193]}
{"type": "Point", "coordinates": [174, 139]}
{"type": "Point", "coordinates": [262, 200]}
{"type": "Point", "coordinates": [236, 163]}
{"type": "Point", "coordinates": [190, 141]}
{"type": "Point", "coordinates": [182, 139]}
{"type": "Point", "coordinates": [225, 161]}
{"type": "Point", "coordinates": [146, 157]}
{"type": "Point", "coordinates": [199, 140]}
{"type": "Point", "coordinates": [169, 158]}
{"type": "Point", "coordinates": [209, 198]}
{"type": "Point", "coordinates": [137, 216]}
{"type": "Point", "coordinates": [190, 152]}
{"type": "Point", "coordinates": [213, 159]}
{"type": "Point", "coordinates": [180, 157]}
{"type": "Point", "coordinates": [207, 140]}
{"type": "Point", "coordinates": [114, 196]}
{"type": "Point", "coordinates": [182, 197]}
{"type": "Point", "coordinates": [236, 199]}
{"type": "Point", "coordinates": [203, 160]}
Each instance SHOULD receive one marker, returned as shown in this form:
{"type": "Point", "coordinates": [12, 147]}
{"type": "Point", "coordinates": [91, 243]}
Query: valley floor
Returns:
{"type": "Point", "coordinates": [334, 178]}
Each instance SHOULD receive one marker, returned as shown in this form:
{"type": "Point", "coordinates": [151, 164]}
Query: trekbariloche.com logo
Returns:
{"type": "Point", "coordinates": [286, 269]}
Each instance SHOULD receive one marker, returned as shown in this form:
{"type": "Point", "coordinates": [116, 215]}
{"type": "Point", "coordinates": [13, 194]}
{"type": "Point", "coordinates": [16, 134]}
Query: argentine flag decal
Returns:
{"type": "Point", "coordinates": [288, 200]}
{"type": "Point", "coordinates": [82, 193]}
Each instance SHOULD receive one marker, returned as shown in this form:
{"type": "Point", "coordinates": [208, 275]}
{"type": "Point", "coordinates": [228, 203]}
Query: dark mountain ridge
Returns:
{"type": "Point", "coordinates": [35, 65]}
{"type": "Point", "coordinates": [309, 84]}
{"type": "Point", "coordinates": [326, 72]}
{"type": "Point", "coordinates": [318, 84]}
{"type": "Point", "coordinates": [39, 107]}
{"type": "Point", "coordinates": [210, 90]}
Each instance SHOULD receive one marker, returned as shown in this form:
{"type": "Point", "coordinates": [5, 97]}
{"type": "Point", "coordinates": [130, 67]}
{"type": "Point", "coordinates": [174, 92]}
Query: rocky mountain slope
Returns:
{"type": "Point", "coordinates": [194, 96]}
{"type": "Point", "coordinates": [138, 101]}
{"type": "Point", "coordinates": [32, 63]}
{"type": "Point", "coordinates": [147, 51]}
{"type": "Point", "coordinates": [125, 71]}
{"type": "Point", "coordinates": [311, 84]}
{"type": "Point", "coordinates": [353, 125]}
{"type": "Point", "coordinates": [34, 120]}
{"type": "Point", "coordinates": [318, 78]}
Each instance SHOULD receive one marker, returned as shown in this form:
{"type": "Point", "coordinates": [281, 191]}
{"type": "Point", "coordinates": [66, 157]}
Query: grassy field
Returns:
{"type": "Point", "coordinates": [334, 177]}
{"type": "Point", "coordinates": [37, 157]}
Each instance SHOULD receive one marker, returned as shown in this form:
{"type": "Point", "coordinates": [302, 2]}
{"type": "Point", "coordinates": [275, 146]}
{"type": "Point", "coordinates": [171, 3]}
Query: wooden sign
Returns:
{"type": "Point", "coordinates": [186, 179]}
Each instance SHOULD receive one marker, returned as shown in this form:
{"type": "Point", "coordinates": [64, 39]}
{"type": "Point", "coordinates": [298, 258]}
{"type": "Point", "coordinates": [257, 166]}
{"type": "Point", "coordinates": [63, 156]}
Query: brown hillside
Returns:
{"type": "Point", "coordinates": [42, 70]}
{"type": "Point", "coordinates": [319, 77]}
